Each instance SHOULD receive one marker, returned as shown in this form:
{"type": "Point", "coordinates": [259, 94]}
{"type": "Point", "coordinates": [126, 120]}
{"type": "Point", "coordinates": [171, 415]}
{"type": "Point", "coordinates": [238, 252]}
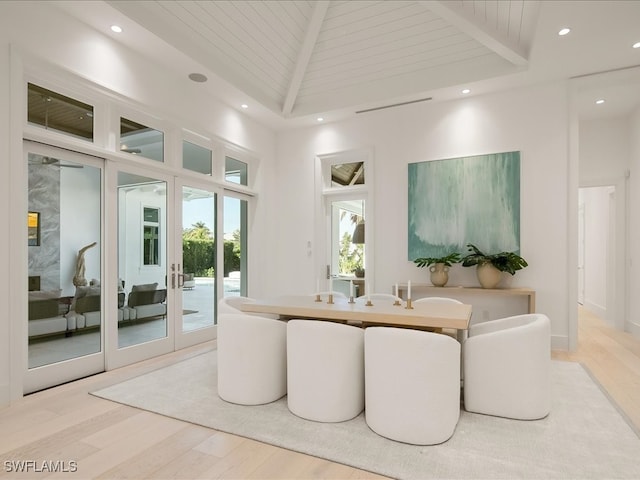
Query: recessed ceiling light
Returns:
{"type": "Point", "coordinates": [320, 119]}
{"type": "Point", "coordinates": [564, 31]}
{"type": "Point", "coordinates": [198, 77]}
{"type": "Point", "coordinates": [636, 45]}
{"type": "Point", "coordinates": [116, 28]}
{"type": "Point", "coordinates": [599, 101]}
{"type": "Point", "coordinates": [244, 105]}
{"type": "Point", "coordinates": [466, 90]}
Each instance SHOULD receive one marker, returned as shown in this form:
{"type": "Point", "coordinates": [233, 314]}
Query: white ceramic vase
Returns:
{"type": "Point", "coordinates": [488, 275]}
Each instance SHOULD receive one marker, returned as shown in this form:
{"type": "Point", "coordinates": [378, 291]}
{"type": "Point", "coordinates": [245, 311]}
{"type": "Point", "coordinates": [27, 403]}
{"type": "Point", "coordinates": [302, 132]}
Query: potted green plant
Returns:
{"type": "Point", "coordinates": [489, 267]}
{"type": "Point", "coordinates": [439, 267]}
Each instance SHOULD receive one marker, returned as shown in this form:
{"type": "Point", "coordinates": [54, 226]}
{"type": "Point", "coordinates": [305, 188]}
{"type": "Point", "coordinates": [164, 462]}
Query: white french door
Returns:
{"type": "Point", "coordinates": [113, 278]}
{"type": "Point", "coordinates": [197, 257]}
{"type": "Point", "coordinates": [64, 311]}
{"type": "Point", "coordinates": [346, 260]}
{"type": "Point", "coordinates": [141, 265]}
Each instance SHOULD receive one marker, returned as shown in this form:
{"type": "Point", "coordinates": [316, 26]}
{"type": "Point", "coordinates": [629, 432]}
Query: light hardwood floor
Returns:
{"type": "Point", "coordinates": [109, 440]}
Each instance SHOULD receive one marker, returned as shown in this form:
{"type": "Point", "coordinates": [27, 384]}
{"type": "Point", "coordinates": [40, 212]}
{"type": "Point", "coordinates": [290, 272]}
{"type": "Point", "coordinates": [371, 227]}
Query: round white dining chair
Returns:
{"type": "Point", "coordinates": [412, 384]}
{"type": "Point", "coordinates": [252, 359]}
{"type": "Point", "coordinates": [325, 370]}
{"type": "Point", "coordinates": [507, 366]}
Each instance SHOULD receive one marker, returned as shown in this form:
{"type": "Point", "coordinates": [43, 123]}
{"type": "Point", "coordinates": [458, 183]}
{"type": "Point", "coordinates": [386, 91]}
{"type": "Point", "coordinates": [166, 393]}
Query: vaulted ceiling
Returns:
{"type": "Point", "coordinates": [305, 57]}
{"type": "Point", "coordinates": [301, 58]}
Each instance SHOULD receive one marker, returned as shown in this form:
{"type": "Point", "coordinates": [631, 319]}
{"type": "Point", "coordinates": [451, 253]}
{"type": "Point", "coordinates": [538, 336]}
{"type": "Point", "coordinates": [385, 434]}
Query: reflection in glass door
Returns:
{"type": "Point", "coordinates": [199, 255]}
{"type": "Point", "coordinates": [347, 245]}
{"type": "Point", "coordinates": [142, 259]}
{"type": "Point", "coordinates": [64, 314]}
{"type": "Point", "coordinates": [235, 246]}
{"type": "Point", "coordinates": [64, 260]}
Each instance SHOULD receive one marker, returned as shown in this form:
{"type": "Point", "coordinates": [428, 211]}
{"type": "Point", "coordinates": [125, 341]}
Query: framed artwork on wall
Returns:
{"type": "Point", "coordinates": [464, 200]}
{"type": "Point", "coordinates": [33, 228]}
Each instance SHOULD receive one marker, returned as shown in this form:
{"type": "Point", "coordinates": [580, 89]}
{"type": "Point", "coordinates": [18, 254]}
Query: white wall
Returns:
{"type": "Point", "coordinates": [7, 288]}
{"type": "Point", "coordinates": [131, 268]}
{"type": "Point", "coordinates": [604, 150]}
{"type": "Point", "coordinates": [633, 320]}
{"type": "Point", "coordinates": [79, 223]}
{"type": "Point", "coordinates": [533, 121]}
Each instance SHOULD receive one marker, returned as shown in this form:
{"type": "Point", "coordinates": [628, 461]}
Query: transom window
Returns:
{"type": "Point", "coordinates": [138, 139]}
{"type": "Point", "coordinates": [235, 171]}
{"type": "Point", "coordinates": [54, 111]}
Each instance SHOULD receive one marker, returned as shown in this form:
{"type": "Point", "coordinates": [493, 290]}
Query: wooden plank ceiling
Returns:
{"type": "Point", "coordinates": [299, 57]}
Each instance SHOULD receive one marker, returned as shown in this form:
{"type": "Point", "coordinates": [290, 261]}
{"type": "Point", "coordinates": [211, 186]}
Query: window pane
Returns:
{"type": "Point", "coordinates": [64, 266]}
{"type": "Point", "coordinates": [198, 258]}
{"type": "Point", "coordinates": [235, 171]}
{"type": "Point", "coordinates": [347, 235]}
{"type": "Point", "coordinates": [196, 158]}
{"type": "Point", "coordinates": [235, 246]}
{"type": "Point", "coordinates": [150, 246]}
{"type": "Point", "coordinates": [142, 259]}
{"type": "Point", "coordinates": [57, 112]}
{"type": "Point", "coordinates": [347, 174]}
{"type": "Point", "coordinates": [151, 215]}
{"type": "Point", "coordinates": [141, 140]}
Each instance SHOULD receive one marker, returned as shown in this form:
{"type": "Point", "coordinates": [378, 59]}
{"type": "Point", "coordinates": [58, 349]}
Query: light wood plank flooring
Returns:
{"type": "Point", "coordinates": [109, 440]}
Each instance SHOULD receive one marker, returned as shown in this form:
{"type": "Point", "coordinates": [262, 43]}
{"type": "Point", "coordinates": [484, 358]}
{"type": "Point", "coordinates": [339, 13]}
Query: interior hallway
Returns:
{"type": "Point", "coordinates": [109, 440]}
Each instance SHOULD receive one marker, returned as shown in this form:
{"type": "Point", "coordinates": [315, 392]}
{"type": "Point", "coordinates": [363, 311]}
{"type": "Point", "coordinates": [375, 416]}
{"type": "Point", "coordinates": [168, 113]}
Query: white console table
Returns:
{"type": "Point", "coordinates": [427, 290]}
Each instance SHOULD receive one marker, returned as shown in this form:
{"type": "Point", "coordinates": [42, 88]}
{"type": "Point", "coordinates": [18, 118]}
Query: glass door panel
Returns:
{"type": "Point", "coordinates": [142, 259]}
{"type": "Point", "coordinates": [347, 245]}
{"type": "Point", "coordinates": [199, 255]}
{"type": "Point", "coordinates": [235, 246]}
{"type": "Point", "coordinates": [64, 267]}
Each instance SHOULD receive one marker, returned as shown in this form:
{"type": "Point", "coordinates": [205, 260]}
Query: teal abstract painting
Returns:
{"type": "Point", "coordinates": [464, 200]}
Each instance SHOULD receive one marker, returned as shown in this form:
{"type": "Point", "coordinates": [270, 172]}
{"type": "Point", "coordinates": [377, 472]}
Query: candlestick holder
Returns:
{"type": "Point", "coordinates": [330, 300]}
{"type": "Point", "coordinates": [318, 299]}
{"type": "Point", "coordinates": [409, 306]}
{"type": "Point", "coordinates": [368, 304]}
{"type": "Point", "coordinates": [397, 303]}
{"type": "Point", "coordinates": [351, 300]}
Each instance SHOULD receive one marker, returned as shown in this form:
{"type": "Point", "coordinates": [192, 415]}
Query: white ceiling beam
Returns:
{"type": "Point", "coordinates": [492, 39]}
{"type": "Point", "coordinates": [304, 55]}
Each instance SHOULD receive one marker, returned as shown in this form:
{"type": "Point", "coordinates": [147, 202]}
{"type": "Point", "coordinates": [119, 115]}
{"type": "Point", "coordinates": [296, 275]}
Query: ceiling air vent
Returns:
{"type": "Point", "coordinates": [394, 105]}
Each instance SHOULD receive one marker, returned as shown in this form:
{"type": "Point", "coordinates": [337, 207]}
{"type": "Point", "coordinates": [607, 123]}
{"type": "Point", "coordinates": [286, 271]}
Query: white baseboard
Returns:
{"type": "Point", "coordinates": [633, 328]}
{"type": "Point", "coordinates": [598, 310]}
{"type": "Point", "coordinates": [5, 396]}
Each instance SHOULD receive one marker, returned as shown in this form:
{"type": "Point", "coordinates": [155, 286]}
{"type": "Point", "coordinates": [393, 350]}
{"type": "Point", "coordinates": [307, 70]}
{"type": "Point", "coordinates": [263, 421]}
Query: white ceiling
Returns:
{"type": "Point", "coordinates": [294, 60]}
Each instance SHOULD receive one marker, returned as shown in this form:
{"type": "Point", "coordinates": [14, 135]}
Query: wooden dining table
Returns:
{"type": "Point", "coordinates": [423, 316]}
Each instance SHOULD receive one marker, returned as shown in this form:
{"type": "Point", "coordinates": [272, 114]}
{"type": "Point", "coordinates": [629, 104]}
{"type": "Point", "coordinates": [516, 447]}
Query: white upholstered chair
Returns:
{"type": "Point", "coordinates": [459, 334]}
{"type": "Point", "coordinates": [412, 384]}
{"type": "Point", "coordinates": [436, 300]}
{"type": "Point", "coordinates": [382, 297]}
{"type": "Point", "coordinates": [252, 359]}
{"type": "Point", "coordinates": [231, 304]}
{"type": "Point", "coordinates": [506, 367]}
{"type": "Point", "coordinates": [325, 295]}
{"type": "Point", "coordinates": [325, 370]}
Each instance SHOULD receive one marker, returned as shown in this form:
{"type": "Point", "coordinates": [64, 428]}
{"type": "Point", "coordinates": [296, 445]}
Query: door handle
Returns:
{"type": "Point", "coordinates": [180, 280]}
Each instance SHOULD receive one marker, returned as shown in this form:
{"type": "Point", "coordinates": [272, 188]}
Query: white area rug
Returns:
{"type": "Point", "coordinates": [584, 437]}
